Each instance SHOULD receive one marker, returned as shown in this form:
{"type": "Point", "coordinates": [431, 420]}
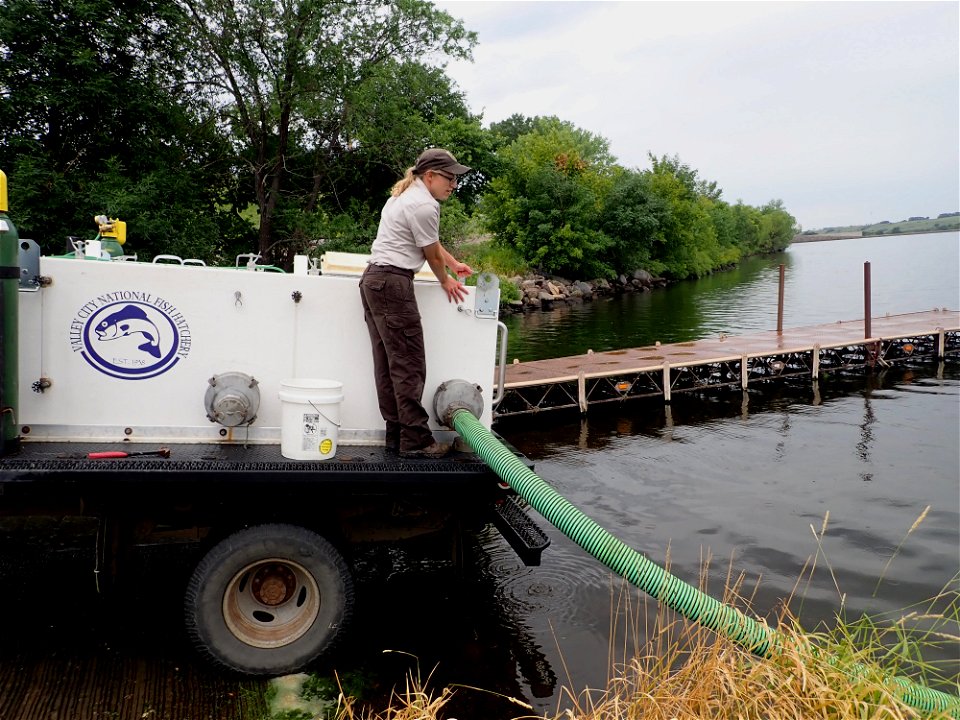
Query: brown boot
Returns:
{"type": "Point", "coordinates": [392, 443]}
{"type": "Point", "coordinates": [433, 451]}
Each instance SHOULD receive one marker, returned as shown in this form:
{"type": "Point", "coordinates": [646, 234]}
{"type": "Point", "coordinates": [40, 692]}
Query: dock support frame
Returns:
{"type": "Point", "coordinates": [579, 392]}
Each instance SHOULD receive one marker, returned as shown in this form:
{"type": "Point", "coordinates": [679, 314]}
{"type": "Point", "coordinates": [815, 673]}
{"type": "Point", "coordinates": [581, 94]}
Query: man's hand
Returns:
{"type": "Point", "coordinates": [456, 292]}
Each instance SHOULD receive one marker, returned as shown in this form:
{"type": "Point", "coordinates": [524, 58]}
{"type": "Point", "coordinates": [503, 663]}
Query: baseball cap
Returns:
{"type": "Point", "coordinates": [438, 159]}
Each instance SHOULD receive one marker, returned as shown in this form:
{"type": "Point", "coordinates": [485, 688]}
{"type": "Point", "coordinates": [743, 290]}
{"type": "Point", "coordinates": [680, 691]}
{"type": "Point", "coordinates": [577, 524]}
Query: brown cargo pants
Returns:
{"type": "Point", "coordinates": [399, 361]}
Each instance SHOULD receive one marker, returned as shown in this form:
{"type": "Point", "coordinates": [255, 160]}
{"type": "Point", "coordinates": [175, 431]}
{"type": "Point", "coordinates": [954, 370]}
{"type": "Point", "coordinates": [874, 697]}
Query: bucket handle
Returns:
{"type": "Point", "coordinates": [337, 425]}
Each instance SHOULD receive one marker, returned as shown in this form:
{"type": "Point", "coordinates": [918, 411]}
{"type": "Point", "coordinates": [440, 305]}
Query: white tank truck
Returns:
{"type": "Point", "coordinates": [235, 407]}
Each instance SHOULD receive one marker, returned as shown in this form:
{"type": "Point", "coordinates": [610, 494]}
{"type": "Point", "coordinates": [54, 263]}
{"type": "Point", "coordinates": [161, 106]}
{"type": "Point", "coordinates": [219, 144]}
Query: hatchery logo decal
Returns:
{"type": "Point", "coordinates": [129, 334]}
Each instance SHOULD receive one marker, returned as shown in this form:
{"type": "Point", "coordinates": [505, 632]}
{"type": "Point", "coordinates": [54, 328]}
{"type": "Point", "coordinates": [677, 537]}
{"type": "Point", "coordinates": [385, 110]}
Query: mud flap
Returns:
{"type": "Point", "coordinates": [517, 528]}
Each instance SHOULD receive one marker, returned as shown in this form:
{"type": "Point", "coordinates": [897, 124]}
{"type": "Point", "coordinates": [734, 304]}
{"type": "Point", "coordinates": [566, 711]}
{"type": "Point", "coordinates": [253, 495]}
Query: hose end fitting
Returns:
{"type": "Point", "coordinates": [454, 395]}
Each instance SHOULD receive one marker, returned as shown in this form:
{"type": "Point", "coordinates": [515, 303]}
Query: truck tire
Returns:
{"type": "Point", "coordinates": [268, 599]}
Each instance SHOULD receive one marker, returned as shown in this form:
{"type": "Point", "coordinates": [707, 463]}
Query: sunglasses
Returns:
{"type": "Point", "coordinates": [447, 176]}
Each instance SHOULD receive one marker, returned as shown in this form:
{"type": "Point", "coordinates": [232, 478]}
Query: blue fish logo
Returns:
{"type": "Point", "coordinates": [130, 320]}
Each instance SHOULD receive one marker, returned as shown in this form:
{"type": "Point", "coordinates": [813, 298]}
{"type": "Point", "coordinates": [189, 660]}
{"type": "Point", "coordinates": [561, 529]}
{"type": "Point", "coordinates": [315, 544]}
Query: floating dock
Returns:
{"type": "Point", "coordinates": [579, 381]}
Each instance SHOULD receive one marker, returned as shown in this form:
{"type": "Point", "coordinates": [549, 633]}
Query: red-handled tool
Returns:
{"type": "Point", "coordinates": [107, 454]}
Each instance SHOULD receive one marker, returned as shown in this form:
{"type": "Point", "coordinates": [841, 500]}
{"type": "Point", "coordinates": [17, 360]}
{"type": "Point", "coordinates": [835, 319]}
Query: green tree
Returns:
{"type": "Point", "coordinates": [724, 222]}
{"type": "Point", "coordinates": [632, 216]}
{"type": "Point", "coordinates": [283, 74]}
{"type": "Point", "coordinates": [686, 240]}
{"type": "Point", "coordinates": [777, 227]}
{"type": "Point", "coordinates": [506, 131]}
{"type": "Point", "coordinates": [335, 192]}
{"type": "Point", "coordinates": [390, 118]}
{"type": "Point", "coordinates": [746, 224]}
{"type": "Point", "coordinates": [547, 200]}
{"type": "Point", "coordinates": [686, 175]}
{"type": "Point", "coordinates": [91, 124]}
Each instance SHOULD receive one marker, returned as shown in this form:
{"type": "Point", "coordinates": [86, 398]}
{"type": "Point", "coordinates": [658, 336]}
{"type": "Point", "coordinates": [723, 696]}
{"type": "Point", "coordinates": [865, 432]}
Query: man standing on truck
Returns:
{"type": "Point", "coordinates": [409, 233]}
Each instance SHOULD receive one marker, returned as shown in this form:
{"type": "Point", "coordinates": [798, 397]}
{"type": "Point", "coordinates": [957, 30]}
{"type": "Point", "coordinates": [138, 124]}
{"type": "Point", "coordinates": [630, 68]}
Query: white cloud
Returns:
{"type": "Point", "coordinates": [849, 112]}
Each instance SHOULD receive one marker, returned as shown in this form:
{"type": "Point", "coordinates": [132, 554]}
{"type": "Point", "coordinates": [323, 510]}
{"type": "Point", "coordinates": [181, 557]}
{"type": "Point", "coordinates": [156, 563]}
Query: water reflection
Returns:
{"type": "Point", "coordinates": [468, 629]}
{"type": "Point", "coordinates": [651, 417]}
{"type": "Point", "coordinates": [866, 433]}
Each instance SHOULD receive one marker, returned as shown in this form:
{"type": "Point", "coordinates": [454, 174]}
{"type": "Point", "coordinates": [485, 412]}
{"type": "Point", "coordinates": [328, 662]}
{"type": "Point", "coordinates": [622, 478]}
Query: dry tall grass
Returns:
{"type": "Point", "coordinates": [664, 667]}
{"type": "Point", "coordinates": [682, 671]}
{"type": "Point", "coordinates": [685, 672]}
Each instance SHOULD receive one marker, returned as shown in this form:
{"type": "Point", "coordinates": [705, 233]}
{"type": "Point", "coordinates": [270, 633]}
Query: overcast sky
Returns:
{"type": "Point", "coordinates": [848, 112]}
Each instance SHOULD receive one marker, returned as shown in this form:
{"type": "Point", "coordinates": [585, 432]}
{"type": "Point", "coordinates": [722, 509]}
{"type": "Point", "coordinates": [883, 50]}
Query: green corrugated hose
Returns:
{"type": "Point", "coordinates": [642, 572]}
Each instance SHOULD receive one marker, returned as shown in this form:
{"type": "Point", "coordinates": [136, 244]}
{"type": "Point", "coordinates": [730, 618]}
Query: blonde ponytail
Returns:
{"type": "Point", "coordinates": [402, 184]}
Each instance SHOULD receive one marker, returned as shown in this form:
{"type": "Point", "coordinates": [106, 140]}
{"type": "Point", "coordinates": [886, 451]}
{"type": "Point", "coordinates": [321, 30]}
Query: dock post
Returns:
{"type": "Point", "coordinates": [941, 353]}
{"type": "Point", "coordinates": [866, 300]}
{"type": "Point", "coordinates": [780, 302]}
{"type": "Point", "coordinates": [816, 361]}
{"type": "Point", "coordinates": [582, 392]}
{"type": "Point", "coordinates": [666, 382]}
{"type": "Point", "coordinates": [744, 372]}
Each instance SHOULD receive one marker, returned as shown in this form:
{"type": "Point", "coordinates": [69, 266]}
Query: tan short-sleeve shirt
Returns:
{"type": "Point", "coordinates": [408, 222]}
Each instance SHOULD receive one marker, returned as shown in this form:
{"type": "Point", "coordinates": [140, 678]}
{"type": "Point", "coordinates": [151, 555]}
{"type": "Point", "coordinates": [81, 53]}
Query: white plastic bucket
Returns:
{"type": "Point", "coordinates": [309, 418]}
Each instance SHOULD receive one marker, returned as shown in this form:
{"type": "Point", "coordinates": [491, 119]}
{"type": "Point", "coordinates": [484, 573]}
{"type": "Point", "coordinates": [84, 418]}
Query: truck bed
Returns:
{"type": "Point", "coordinates": [364, 493]}
{"type": "Point", "coordinates": [360, 469]}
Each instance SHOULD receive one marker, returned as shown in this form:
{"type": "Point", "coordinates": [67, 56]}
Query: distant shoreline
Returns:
{"type": "Point", "coordinates": [826, 236]}
{"type": "Point", "coordinates": [853, 236]}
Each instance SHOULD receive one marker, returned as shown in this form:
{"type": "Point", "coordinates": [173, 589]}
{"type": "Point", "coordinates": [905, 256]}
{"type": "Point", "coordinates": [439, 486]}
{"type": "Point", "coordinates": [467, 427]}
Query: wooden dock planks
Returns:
{"type": "Point", "coordinates": [726, 349]}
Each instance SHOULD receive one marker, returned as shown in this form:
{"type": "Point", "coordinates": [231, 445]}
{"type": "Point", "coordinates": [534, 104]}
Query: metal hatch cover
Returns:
{"type": "Point", "coordinates": [488, 295]}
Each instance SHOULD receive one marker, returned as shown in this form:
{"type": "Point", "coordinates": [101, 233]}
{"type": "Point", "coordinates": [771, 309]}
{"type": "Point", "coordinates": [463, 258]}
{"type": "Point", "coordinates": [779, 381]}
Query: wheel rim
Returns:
{"type": "Point", "coordinates": [271, 603]}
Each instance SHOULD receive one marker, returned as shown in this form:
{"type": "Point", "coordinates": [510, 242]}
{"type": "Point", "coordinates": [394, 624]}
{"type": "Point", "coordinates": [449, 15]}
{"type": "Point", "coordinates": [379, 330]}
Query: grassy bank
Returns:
{"type": "Point", "coordinates": [484, 255]}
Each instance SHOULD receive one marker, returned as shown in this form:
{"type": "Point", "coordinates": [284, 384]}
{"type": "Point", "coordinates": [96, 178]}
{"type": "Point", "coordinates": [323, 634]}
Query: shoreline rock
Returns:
{"type": "Point", "coordinates": [543, 292]}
